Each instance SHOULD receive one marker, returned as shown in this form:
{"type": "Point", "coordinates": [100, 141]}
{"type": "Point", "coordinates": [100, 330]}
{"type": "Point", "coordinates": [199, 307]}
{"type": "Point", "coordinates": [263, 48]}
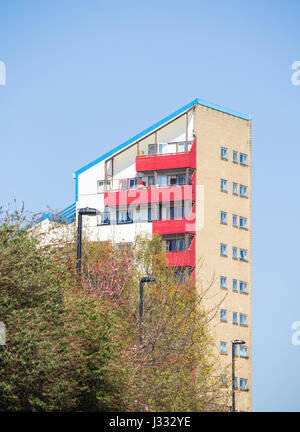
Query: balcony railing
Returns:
{"type": "Point", "coordinates": [145, 182]}
{"type": "Point", "coordinates": [167, 148]}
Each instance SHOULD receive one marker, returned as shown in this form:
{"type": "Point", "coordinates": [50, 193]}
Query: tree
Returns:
{"type": "Point", "coordinates": [64, 348]}
{"type": "Point", "coordinates": [175, 368]}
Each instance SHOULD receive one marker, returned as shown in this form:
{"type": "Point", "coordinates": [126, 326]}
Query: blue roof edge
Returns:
{"type": "Point", "coordinates": [153, 127]}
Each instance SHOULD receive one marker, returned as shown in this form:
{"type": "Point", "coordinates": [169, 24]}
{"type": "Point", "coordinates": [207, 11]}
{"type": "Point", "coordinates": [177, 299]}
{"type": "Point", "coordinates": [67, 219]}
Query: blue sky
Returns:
{"type": "Point", "coordinates": [76, 69]}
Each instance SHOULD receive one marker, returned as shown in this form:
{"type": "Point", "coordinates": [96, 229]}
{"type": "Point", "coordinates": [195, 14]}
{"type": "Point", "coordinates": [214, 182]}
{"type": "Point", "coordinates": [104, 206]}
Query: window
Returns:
{"type": "Point", "coordinates": [101, 185]}
{"type": "Point", "coordinates": [243, 319]}
{"type": "Point", "coordinates": [235, 318]}
{"type": "Point", "coordinates": [124, 216]}
{"type": "Point", "coordinates": [243, 254]}
{"type": "Point", "coordinates": [175, 212]}
{"type": "Point", "coordinates": [243, 222]}
{"type": "Point", "coordinates": [181, 179]}
{"type": "Point", "coordinates": [234, 285]}
{"type": "Point", "coordinates": [150, 214]}
{"type": "Point", "coordinates": [244, 351]}
{"type": "Point", "coordinates": [235, 188]}
{"type": "Point", "coordinates": [180, 244]}
{"type": "Point", "coordinates": [174, 245]}
{"type": "Point", "coordinates": [243, 287]}
{"type": "Point", "coordinates": [132, 183]}
{"type": "Point", "coordinates": [162, 180]}
{"type": "Point", "coordinates": [223, 217]}
{"type": "Point", "coordinates": [104, 218]}
{"type": "Point", "coordinates": [223, 185]}
{"type": "Point", "coordinates": [243, 191]}
{"type": "Point", "coordinates": [224, 153]}
{"type": "Point", "coordinates": [243, 159]}
{"type": "Point", "coordinates": [171, 213]}
{"type": "Point", "coordinates": [123, 184]}
{"type": "Point", "coordinates": [223, 249]}
{"type": "Point", "coordinates": [234, 252]}
{"type": "Point", "coordinates": [151, 149]}
{"type": "Point", "coordinates": [172, 180]}
{"type": "Point", "coordinates": [244, 384]}
{"type": "Point", "coordinates": [223, 282]}
{"type": "Point", "coordinates": [235, 156]}
{"type": "Point", "coordinates": [234, 220]}
{"type": "Point", "coordinates": [223, 347]}
{"type": "Point", "coordinates": [150, 180]}
{"type": "Point", "coordinates": [223, 315]}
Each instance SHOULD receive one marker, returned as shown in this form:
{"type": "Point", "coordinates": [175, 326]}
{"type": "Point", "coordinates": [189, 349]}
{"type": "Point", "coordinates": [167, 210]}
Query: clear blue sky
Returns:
{"type": "Point", "coordinates": [76, 69]}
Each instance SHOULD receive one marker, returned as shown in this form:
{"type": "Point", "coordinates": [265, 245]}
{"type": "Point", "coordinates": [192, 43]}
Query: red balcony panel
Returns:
{"type": "Point", "coordinates": [182, 258]}
{"type": "Point", "coordinates": [167, 161]}
{"type": "Point", "coordinates": [148, 195]}
{"type": "Point", "coordinates": [173, 226]}
{"type": "Point", "coordinates": [178, 226]}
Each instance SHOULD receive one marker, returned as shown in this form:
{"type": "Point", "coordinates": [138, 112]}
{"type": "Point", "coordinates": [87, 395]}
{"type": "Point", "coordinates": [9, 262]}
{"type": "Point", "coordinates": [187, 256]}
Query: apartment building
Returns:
{"type": "Point", "coordinates": [187, 178]}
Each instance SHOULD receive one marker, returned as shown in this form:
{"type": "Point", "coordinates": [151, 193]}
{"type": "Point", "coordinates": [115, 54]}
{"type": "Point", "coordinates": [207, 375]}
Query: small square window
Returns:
{"type": "Point", "coordinates": [235, 156]}
{"type": "Point", "coordinates": [223, 347]}
{"type": "Point", "coordinates": [243, 159]}
{"type": "Point", "coordinates": [243, 287]}
{"type": "Point", "coordinates": [244, 384]}
{"type": "Point", "coordinates": [234, 317]}
{"type": "Point", "coordinates": [223, 282]}
{"type": "Point", "coordinates": [223, 315]}
{"type": "Point", "coordinates": [234, 285]}
{"type": "Point", "coordinates": [235, 188]}
{"type": "Point", "coordinates": [243, 255]}
{"type": "Point", "coordinates": [243, 222]}
{"type": "Point", "coordinates": [223, 249]}
{"type": "Point", "coordinates": [244, 351]}
{"type": "Point", "coordinates": [243, 319]}
{"type": "Point", "coordinates": [223, 185]}
{"type": "Point", "coordinates": [234, 220]}
{"type": "Point", "coordinates": [243, 191]}
{"type": "Point", "coordinates": [223, 217]}
{"type": "Point", "coordinates": [234, 252]}
{"type": "Point", "coordinates": [224, 153]}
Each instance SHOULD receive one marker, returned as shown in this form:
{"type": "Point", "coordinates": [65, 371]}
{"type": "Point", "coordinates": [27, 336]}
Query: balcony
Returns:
{"type": "Point", "coordinates": [182, 258]}
{"type": "Point", "coordinates": [162, 160]}
{"type": "Point", "coordinates": [150, 194]}
{"type": "Point", "coordinates": [175, 226]}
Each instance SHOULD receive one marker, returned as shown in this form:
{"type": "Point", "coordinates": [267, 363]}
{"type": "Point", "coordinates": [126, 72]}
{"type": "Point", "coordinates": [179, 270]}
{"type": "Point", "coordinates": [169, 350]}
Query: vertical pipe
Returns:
{"type": "Point", "coordinates": [141, 312]}
{"type": "Point", "coordinates": [233, 379]}
{"type": "Point", "coordinates": [79, 236]}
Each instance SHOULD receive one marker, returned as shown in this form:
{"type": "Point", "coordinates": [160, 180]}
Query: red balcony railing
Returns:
{"type": "Point", "coordinates": [175, 226]}
{"type": "Point", "coordinates": [148, 195]}
{"type": "Point", "coordinates": [167, 161]}
{"type": "Point", "coordinates": [182, 258]}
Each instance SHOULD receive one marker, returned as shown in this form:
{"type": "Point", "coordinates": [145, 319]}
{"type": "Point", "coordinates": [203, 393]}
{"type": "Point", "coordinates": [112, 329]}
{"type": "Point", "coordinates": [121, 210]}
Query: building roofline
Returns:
{"type": "Point", "coordinates": [156, 126]}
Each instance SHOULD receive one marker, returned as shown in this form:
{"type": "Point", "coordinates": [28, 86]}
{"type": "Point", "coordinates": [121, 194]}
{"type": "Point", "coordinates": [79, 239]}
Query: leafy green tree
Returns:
{"type": "Point", "coordinates": [64, 349]}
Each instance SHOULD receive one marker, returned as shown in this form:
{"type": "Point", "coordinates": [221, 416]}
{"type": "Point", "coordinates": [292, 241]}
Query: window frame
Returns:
{"type": "Point", "coordinates": [225, 254]}
{"type": "Point", "coordinates": [224, 185]}
{"type": "Point", "coordinates": [225, 155]}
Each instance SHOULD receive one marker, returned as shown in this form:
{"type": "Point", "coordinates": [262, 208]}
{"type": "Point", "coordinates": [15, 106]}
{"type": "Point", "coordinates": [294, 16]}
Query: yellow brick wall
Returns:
{"type": "Point", "coordinates": [214, 129]}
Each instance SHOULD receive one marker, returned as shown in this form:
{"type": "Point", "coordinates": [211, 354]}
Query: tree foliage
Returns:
{"type": "Point", "coordinates": [73, 344]}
